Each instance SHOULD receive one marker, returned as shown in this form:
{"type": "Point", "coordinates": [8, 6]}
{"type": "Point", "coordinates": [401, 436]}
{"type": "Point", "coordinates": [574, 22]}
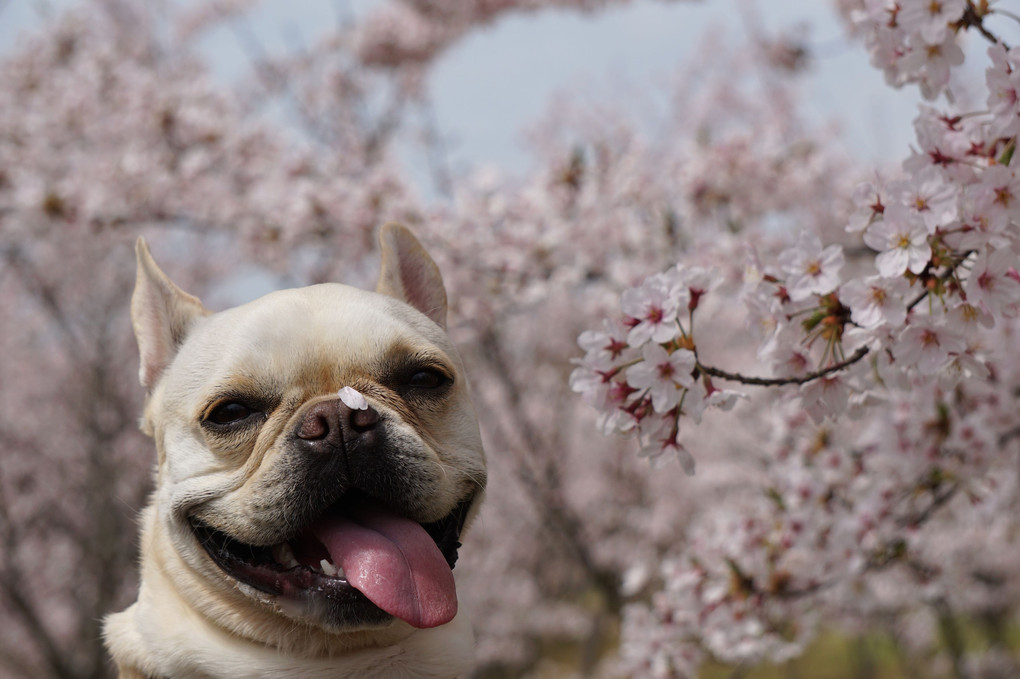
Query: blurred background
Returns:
{"type": "Point", "coordinates": [549, 154]}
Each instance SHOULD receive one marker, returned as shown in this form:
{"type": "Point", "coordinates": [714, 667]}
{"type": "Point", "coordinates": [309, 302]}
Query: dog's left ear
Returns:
{"type": "Point", "coordinates": [161, 314]}
{"type": "Point", "coordinates": [409, 274]}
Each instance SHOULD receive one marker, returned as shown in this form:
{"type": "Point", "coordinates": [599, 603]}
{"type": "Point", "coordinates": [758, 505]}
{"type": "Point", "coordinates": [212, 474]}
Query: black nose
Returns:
{"type": "Point", "coordinates": [332, 428]}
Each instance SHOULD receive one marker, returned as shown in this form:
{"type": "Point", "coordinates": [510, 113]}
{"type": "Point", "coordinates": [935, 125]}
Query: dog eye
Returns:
{"type": "Point", "coordinates": [229, 413]}
{"type": "Point", "coordinates": [427, 379]}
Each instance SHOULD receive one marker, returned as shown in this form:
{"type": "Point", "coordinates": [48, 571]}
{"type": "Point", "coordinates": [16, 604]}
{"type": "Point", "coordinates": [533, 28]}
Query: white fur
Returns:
{"type": "Point", "coordinates": [191, 621]}
{"type": "Point", "coordinates": [161, 636]}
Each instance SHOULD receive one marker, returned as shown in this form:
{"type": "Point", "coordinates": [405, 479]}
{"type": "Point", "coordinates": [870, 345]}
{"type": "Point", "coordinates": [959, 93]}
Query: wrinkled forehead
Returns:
{"type": "Point", "coordinates": [320, 333]}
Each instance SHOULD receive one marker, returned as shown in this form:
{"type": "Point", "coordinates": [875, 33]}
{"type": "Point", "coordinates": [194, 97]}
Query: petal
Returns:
{"type": "Point", "coordinates": [892, 263]}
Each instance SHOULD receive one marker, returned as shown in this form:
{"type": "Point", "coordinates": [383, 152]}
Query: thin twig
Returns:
{"type": "Point", "coordinates": [780, 381]}
{"type": "Point", "coordinates": [971, 19]}
{"type": "Point", "coordinates": [937, 501]}
{"type": "Point", "coordinates": [1008, 435]}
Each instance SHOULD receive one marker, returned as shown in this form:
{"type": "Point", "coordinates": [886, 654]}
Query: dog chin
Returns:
{"type": "Point", "coordinates": [302, 577]}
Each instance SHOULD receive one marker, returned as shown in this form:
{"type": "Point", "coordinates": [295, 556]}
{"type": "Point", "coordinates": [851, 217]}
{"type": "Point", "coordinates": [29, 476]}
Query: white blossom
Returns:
{"type": "Point", "coordinates": [812, 270]}
{"type": "Point", "coordinates": [662, 375]}
{"type": "Point", "coordinates": [902, 242]}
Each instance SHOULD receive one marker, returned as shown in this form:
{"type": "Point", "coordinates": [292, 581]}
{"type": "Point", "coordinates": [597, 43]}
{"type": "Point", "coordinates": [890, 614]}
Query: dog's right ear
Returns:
{"type": "Point", "coordinates": [161, 314]}
{"type": "Point", "coordinates": [409, 274]}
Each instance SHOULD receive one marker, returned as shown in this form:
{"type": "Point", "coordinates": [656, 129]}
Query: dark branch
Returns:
{"type": "Point", "coordinates": [971, 19]}
{"type": "Point", "coordinates": [780, 381]}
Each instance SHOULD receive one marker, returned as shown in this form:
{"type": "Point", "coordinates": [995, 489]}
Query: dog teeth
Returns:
{"type": "Point", "coordinates": [331, 570]}
{"type": "Point", "coordinates": [284, 555]}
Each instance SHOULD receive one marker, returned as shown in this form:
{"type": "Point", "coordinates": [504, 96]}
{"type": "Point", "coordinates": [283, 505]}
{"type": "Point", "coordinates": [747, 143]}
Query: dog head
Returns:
{"type": "Point", "coordinates": [318, 453]}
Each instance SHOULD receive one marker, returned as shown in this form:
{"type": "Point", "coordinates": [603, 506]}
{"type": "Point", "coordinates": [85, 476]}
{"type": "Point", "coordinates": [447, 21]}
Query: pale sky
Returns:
{"type": "Point", "coordinates": [487, 88]}
{"type": "Point", "coordinates": [535, 57]}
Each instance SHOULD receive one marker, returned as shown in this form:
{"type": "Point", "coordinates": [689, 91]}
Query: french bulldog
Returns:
{"type": "Point", "coordinates": [318, 460]}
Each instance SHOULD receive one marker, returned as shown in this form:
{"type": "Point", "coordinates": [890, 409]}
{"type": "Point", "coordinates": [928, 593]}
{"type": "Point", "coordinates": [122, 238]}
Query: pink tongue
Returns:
{"type": "Point", "coordinates": [393, 562]}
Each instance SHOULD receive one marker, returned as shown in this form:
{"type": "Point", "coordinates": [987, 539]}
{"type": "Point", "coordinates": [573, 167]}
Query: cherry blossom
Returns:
{"type": "Point", "coordinates": [653, 308]}
{"type": "Point", "coordinates": [869, 204]}
{"type": "Point", "coordinates": [353, 398]}
{"type": "Point", "coordinates": [661, 451]}
{"type": "Point", "coordinates": [811, 270]}
{"type": "Point", "coordinates": [1003, 83]}
{"type": "Point", "coordinates": [901, 240]}
{"type": "Point", "coordinates": [839, 363]}
{"type": "Point", "coordinates": [992, 282]}
{"type": "Point", "coordinates": [876, 300]}
{"type": "Point", "coordinates": [931, 20]}
{"type": "Point", "coordinates": [886, 381]}
{"type": "Point", "coordinates": [661, 374]}
{"type": "Point", "coordinates": [927, 344]}
{"type": "Point", "coordinates": [997, 195]}
{"type": "Point", "coordinates": [934, 199]}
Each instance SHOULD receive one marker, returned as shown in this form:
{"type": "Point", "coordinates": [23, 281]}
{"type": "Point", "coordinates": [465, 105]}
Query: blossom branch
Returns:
{"type": "Point", "coordinates": [972, 19]}
{"type": "Point", "coordinates": [781, 381]}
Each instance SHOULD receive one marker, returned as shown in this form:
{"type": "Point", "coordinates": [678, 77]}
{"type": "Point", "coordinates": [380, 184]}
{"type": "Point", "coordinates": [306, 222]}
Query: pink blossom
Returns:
{"type": "Point", "coordinates": [353, 398]}
{"type": "Point", "coordinates": [945, 142]}
{"type": "Point", "coordinates": [825, 397]}
{"type": "Point", "coordinates": [653, 306]}
{"type": "Point", "coordinates": [927, 344]}
{"type": "Point", "coordinates": [983, 222]}
{"type": "Point", "coordinates": [931, 60]}
{"type": "Point", "coordinates": [901, 240]}
{"type": "Point", "coordinates": [997, 197]}
{"type": "Point", "coordinates": [700, 398]}
{"type": "Point", "coordinates": [698, 281]}
{"type": "Point", "coordinates": [812, 270]}
{"type": "Point", "coordinates": [765, 319]}
{"type": "Point", "coordinates": [607, 347]}
{"type": "Point", "coordinates": [662, 375]}
{"type": "Point", "coordinates": [869, 206]}
{"type": "Point", "coordinates": [791, 359]}
{"type": "Point", "coordinates": [968, 319]}
{"type": "Point", "coordinates": [885, 38]}
{"type": "Point", "coordinates": [990, 285]}
{"type": "Point", "coordinates": [590, 379]}
{"type": "Point", "coordinates": [856, 497]}
{"type": "Point", "coordinates": [593, 378]}
{"type": "Point", "coordinates": [931, 19]}
{"type": "Point", "coordinates": [659, 452]}
{"type": "Point", "coordinates": [929, 195]}
{"type": "Point", "coordinates": [971, 364]}
{"type": "Point", "coordinates": [1003, 81]}
{"type": "Point", "coordinates": [876, 300]}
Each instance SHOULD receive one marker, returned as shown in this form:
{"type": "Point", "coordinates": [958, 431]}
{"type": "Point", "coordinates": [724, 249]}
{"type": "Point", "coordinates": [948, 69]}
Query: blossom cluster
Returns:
{"type": "Point", "coordinates": [888, 352]}
{"type": "Point", "coordinates": [540, 259]}
{"type": "Point", "coordinates": [643, 373]}
{"type": "Point", "coordinates": [856, 520]}
{"type": "Point", "coordinates": [934, 271]}
{"type": "Point", "coordinates": [411, 34]}
{"type": "Point", "coordinates": [915, 42]}
{"type": "Point", "coordinates": [865, 478]}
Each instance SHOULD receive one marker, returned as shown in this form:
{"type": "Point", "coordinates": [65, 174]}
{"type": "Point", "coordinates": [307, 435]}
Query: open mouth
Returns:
{"type": "Point", "coordinates": [359, 562]}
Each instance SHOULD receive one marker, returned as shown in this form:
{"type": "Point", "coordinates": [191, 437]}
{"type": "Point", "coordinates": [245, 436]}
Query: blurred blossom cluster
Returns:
{"type": "Point", "coordinates": [916, 42]}
{"type": "Point", "coordinates": [892, 376]}
{"type": "Point", "coordinates": [834, 345]}
{"type": "Point", "coordinates": [643, 373]}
